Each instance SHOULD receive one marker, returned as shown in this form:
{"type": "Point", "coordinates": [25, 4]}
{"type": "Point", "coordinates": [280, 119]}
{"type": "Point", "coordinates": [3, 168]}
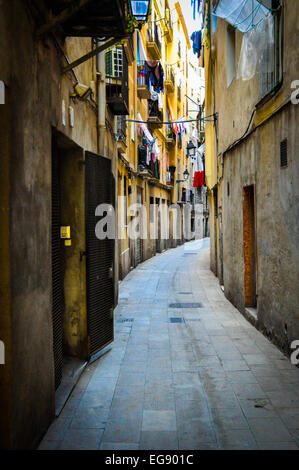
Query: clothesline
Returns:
{"type": "Point", "coordinates": [174, 122]}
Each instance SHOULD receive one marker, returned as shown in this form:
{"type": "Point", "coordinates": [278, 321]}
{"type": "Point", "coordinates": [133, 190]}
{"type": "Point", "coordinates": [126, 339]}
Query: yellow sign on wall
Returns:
{"type": "Point", "coordinates": [65, 232]}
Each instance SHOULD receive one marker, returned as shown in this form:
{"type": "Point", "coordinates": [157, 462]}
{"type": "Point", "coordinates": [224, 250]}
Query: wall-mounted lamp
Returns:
{"type": "Point", "coordinates": [140, 9]}
{"type": "Point", "coordinates": [186, 176]}
{"type": "Point", "coordinates": [191, 149]}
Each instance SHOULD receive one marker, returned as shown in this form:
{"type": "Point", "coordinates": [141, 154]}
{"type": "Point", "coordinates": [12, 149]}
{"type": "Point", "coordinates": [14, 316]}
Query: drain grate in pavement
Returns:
{"type": "Point", "coordinates": [125, 320]}
{"type": "Point", "coordinates": [187, 305]}
{"type": "Point", "coordinates": [176, 320]}
{"type": "Point", "coordinates": [185, 293]}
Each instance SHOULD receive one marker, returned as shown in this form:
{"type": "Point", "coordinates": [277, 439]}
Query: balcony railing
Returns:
{"type": "Point", "coordinates": [180, 141]}
{"type": "Point", "coordinates": [169, 26]}
{"type": "Point", "coordinates": [155, 115]}
{"type": "Point", "coordinates": [121, 130]}
{"type": "Point", "coordinates": [169, 78]}
{"type": "Point", "coordinates": [142, 81]}
{"type": "Point", "coordinates": [201, 116]}
{"type": "Point", "coordinates": [179, 49]}
{"type": "Point", "coordinates": [153, 42]}
{"type": "Point", "coordinates": [170, 136]}
{"type": "Point", "coordinates": [179, 93]}
{"type": "Point", "coordinates": [153, 35]}
{"type": "Point", "coordinates": [152, 168]}
{"type": "Point", "coordinates": [142, 75]}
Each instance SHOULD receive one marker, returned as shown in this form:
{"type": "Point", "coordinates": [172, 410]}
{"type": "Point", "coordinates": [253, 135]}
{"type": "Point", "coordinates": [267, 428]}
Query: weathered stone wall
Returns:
{"type": "Point", "coordinates": [257, 162]}
{"type": "Point", "coordinates": [35, 88]}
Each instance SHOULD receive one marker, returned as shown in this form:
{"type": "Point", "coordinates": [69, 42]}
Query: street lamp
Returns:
{"type": "Point", "coordinates": [186, 176]}
{"type": "Point", "coordinates": [140, 9]}
{"type": "Point", "coordinates": [191, 149]}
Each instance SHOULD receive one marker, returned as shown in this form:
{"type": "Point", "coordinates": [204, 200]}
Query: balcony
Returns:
{"type": "Point", "coordinates": [129, 49]}
{"type": "Point", "coordinates": [155, 116]}
{"type": "Point", "coordinates": [179, 94]}
{"type": "Point", "coordinates": [169, 79]}
{"type": "Point", "coordinates": [168, 24]}
{"type": "Point", "coordinates": [179, 49]}
{"type": "Point", "coordinates": [150, 169]}
{"type": "Point", "coordinates": [121, 134]}
{"type": "Point", "coordinates": [117, 89]}
{"type": "Point", "coordinates": [201, 116]}
{"type": "Point", "coordinates": [172, 170]}
{"type": "Point", "coordinates": [153, 43]}
{"type": "Point", "coordinates": [142, 82]}
{"type": "Point", "coordinates": [180, 141]}
{"type": "Point", "coordinates": [170, 136]}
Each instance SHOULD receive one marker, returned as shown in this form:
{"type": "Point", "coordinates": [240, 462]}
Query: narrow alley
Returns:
{"type": "Point", "coordinates": [185, 371]}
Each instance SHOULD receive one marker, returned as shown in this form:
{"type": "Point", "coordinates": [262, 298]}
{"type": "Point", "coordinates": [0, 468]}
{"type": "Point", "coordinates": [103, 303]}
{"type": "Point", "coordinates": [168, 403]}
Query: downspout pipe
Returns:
{"type": "Point", "coordinates": [101, 99]}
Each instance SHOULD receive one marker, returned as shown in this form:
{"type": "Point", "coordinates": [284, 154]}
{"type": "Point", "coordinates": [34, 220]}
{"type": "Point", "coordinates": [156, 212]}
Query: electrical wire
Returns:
{"type": "Point", "coordinates": [242, 137]}
{"type": "Point", "coordinates": [175, 122]}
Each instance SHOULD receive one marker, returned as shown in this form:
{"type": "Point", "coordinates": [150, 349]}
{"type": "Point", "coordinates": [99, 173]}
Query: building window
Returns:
{"type": "Point", "coordinates": [114, 62]}
{"type": "Point", "coordinates": [152, 208]}
{"type": "Point", "coordinates": [230, 55]}
{"type": "Point", "coordinates": [270, 68]}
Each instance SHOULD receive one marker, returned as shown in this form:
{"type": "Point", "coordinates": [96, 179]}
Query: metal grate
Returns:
{"type": "Point", "coordinates": [284, 153]}
{"type": "Point", "coordinates": [100, 253]}
{"type": "Point", "coordinates": [187, 305]}
{"type": "Point", "coordinates": [139, 243]}
{"type": "Point", "coordinates": [57, 278]}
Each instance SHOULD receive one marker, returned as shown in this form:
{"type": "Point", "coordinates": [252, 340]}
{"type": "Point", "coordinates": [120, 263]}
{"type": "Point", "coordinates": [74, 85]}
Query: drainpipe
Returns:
{"type": "Point", "coordinates": [101, 98]}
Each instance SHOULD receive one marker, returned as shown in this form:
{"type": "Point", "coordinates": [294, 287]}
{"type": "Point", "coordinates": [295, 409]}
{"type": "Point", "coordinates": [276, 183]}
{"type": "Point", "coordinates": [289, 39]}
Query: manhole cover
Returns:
{"type": "Point", "coordinates": [176, 320]}
{"type": "Point", "coordinates": [187, 305]}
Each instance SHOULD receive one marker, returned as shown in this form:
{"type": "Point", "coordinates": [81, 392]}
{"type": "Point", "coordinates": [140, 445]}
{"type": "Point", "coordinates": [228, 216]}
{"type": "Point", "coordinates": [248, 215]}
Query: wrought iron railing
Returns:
{"type": "Point", "coordinates": [142, 74]}
{"type": "Point", "coordinates": [179, 93]}
{"type": "Point", "coordinates": [179, 49]}
{"type": "Point", "coordinates": [170, 74]}
{"type": "Point", "coordinates": [121, 129]}
{"type": "Point", "coordinates": [153, 35]}
{"type": "Point", "coordinates": [180, 141]}
{"type": "Point", "coordinates": [168, 19]}
{"type": "Point", "coordinates": [154, 111]}
{"type": "Point", "coordinates": [170, 134]}
{"type": "Point", "coordinates": [151, 166]}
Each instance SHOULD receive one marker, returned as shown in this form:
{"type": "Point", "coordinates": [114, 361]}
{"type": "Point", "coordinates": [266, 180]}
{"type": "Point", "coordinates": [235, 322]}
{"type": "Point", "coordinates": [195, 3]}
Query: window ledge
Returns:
{"type": "Point", "coordinates": [269, 95]}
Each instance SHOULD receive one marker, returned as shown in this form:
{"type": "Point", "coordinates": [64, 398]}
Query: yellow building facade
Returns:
{"type": "Point", "coordinates": [151, 150]}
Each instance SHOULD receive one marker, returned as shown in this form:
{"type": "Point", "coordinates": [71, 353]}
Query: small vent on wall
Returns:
{"type": "Point", "coordinates": [284, 153]}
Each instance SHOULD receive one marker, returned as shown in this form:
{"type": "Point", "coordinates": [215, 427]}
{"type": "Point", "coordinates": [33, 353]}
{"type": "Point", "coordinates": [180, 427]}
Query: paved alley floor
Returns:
{"type": "Point", "coordinates": [186, 371]}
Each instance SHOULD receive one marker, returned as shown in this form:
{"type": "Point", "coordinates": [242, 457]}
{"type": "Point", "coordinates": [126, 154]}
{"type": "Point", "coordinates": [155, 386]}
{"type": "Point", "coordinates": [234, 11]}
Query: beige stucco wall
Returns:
{"type": "Point", "coordinates": [256, 161]}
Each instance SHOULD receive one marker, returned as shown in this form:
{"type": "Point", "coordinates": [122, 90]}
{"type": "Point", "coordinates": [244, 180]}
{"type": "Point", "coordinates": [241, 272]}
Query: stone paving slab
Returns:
{"type": "Point", "coordinates": [181, 378]}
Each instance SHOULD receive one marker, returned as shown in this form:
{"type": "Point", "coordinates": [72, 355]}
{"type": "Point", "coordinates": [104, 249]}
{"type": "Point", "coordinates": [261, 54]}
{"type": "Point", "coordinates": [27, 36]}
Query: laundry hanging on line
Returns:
{"type": "Point", "coordinates": [179, 126]}
{"type": "Point", "coordinates": [199, 174]}
{"type": "Point", "coordinates": [196, 38]}
{"type": "Point", "coordinates": [155, 75]}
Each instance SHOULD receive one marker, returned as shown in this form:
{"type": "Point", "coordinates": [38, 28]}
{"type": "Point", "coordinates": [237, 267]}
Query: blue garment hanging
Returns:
{"type": "Point", "coordinates": [196, 6]}
{"type": "Point", "coordinates": [196, 39]}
